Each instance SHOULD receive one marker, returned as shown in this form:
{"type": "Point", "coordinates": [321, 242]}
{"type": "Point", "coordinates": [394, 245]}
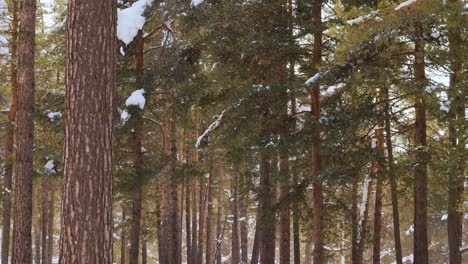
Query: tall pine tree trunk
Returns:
{"type": "Point", "coordinates": [137, 135]}
{"type": "Point", "coordinates": [315, 109]}
{"type": "Point", "coordinates": [235, 246]}
{"type": "Point", "coordinates": [22, 252]}
{"type": "Point", "coordinates": [50, 226]}
{"type": "Point", "coordinates": [244, 220]}
{"type": "Point", "coordinates": [193, 190]}
{"type": "Point", "coordinates": [456, 134]}
{"type": "Point", "coordinates": [209, 214]}
{"type": "Point", "coordinates": [378, 194]}
{"type": "Point", "coordinates": [123, 237]}
{"type": "Point", "coordinates": [173, 200]}
{"type": "Point", "coordinates": [393, 181]}
{"type": "Point", "coordinates": [10, 134]}
{"type": "Point", "coordinates": [421, 254]}
{"type": "Point", "coordinates": [219, 216]}
{"type": "Point", "coordinates": [267, 218]}
{"type": "Point", "coordinates": [87, 226]}
{"type": "Point", "coordinates": [44, 218]}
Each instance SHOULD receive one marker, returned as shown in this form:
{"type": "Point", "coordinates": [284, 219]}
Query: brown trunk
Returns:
{"type": "Point", "coordinates": [378, 194]}
{"type": "Point", "coordinates": [144, 249]}
{"type": "Point", "coordinates": [315, 108]}
{"type": "Point", "coordinates": [188, 229]}
{"type": "Point", "coordinates": [421, 254]}
{"type": "Point", "coordinates": [201, 222]}
{"type": "Point", "coordinates": [295, 209]}
{"type": "Point", "coordinates": [219, 216]}
{"type": "Point", "coordinates": [10, 134]}
{"type": "Point", "coordinates": [44, 218]}
{"type": "Point", "coordinates": [137, 135]}
{"type": "Point", "coordinates": [87, 235]}
{"type": "Point", "coordinates": [267, 218]}
{"type": "Point", "coordinates": [37, 229]}
{"type": "Point", "coordinates": [173, 201]}
{"type": "Point", "coordinates": [308, 253]}
{"type": "Point", "coordinates": [193, 189]}
{"type": "Point", "coordinates": [244, 220]}
{"type": "Point", "coordinates": [393, 181]}
{"type": "Point", "coordinates": [123, 237]}
{"type": "Point", "coordinates": [456, 135]}
{"type": "Point", "coordinates": [354, 222]}
{"type": "Point", "coordinates": [163, 212]}
{"type": "Point", "coordinates": [258, 230]}
{"type": "Point", "coordinates": [24, 134]}
{"type": "Point", "coordinates": [209, 213]}
{"type": "Point", "coordinates": [50, 227]}
{"type": "Point", "coordinates": [235, 247]}
{"type": "Point", "coordinates": [284, 214]}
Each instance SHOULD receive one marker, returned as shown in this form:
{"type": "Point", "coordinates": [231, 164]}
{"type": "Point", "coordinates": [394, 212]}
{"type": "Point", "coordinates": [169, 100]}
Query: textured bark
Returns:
{"type": "Point", "coordinates": [421, 254]}
{"type": "Point", "coordinates": [50, 226]}
{"type": "Point", "coordinates": [86, 235]}
{"type": "Point", "coordinates": [144, 249]}
{"type": "Point", "coordinates": [378, 194]}
{"type": "Point", "coordinates": [123, 237]}
{"type": "Point", "coordinates": [294, 207]}
{"type": "Point", "coordinates": [393, 181]}
{"type": "Point", "coordinates": [267, 218]}
{"type": "Point", "coordinates": [24, 134]}
{"type": "Point", "coordinates": [137, 136]}
{"type": "Point", "coordinates": [235, 246]}
{"type": "Point", "coordinates": [44, 218]}
{"type": "Point", "coordinates": [354, 222]}
{"type": "Point", "coordinates": [209, 213]}
{"type": "Point", "coordinates": [193, 190]}
{"type": "Point", "coordinates": [10, 134]}
{"type": "Point", "coordinates": [244, 232]}
{"type": "Point", "coordinates": [37, 230]}
{"type": "Point", "coordinates": [201, 222]}
{"type": "Point", "coordinates": [284, 214]}
{"type": "Point", "coordinates": [256, 243]}
{"type": "Point", "coordinates": [188, 219]}
{"type": "Point", "coordinates": [315, 109]}
{"type": "Point", "coordinates": [456, 134]}
{"type": "Point", "coordinates": [173, 202]}
{"type": "Point", "coordinates": [219, 216]}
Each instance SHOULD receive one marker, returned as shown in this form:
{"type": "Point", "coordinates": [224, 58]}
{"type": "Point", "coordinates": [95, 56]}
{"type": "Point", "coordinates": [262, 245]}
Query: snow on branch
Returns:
{"type": "Point", "coordinates": [195, 3]}
{"type": "Point", "coordinates": [130, 20]}
{"type": "Point", "coordinates": [404, 4]}
{"type": "Point", "coordinates": [136, 98]}
{"type": "Point", "coordinates": [313, 79]}
{"type": "Point", "coordinates": [213, 126]}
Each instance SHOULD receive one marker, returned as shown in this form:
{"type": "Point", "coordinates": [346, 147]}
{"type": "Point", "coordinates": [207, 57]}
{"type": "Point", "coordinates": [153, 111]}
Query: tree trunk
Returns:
{"type": "Point", "coordinates": [456, 135]}
{"type": "Point", "coordinates": [295, 208]}
{"type": "Point", "coordinates": [201, 222]}
{"type": "Point", "coordinates": [10, 134]}
{"type": "Point", "coordinates": [267, 218]}
{"type": "Point", "coordinates": [315, 109]}
{"type": "Point", "coordinates": [378, 194]}
{"type": "Point", "coordinates": [284, 214]}
{"type": "Point", "coordinates": [137, 136]}
{"type": "Point", "coordinates": [37, 229]}
{"type": "Point", "coordinates": [244, 232]}
{"type": "Point", "coordinates": [235, 246]}
{"type": "Point", "coordinates": [87, 226]}
{"type": "Point", "coordinates": [123, 237]}
{"type": "Point", "coordinates": [173, 201]}
{"type": "Point", "coordinates": [258, 230]}
{"type": "Point", "coordinates": [421, 254]}
{"type": "Point", "coordinates": [44, 218]}
{"type": "Point", "coordinates": [393, 181]}
{"type": "Point", "coordinates": [188, 219]}
{"type": "Point", "coordinates": [144, 249]}
{"type": "Point", "coordinates": [219, 216]}
{"type": "Point", "coordinates": [24, 134]}
{"type": "Point", "coordinates": [209, 213]}
{"type": "Point", "coordinates": [50, 227]}
{"type": "Point", "coordinates": [193, 190]}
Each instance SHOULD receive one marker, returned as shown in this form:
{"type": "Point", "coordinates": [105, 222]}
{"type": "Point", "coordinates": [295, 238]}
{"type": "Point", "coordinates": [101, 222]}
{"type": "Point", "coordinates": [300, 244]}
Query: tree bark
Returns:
{"type": "Point", "coordinates": [144, 249]}
{"type": "Point", "coordinates": [50, 227]}
{"type": "Point", "coordinates": [123, 237]}
{"type": "Point", "coordinates": [22, 252]}
{"type": "Point", "coordinates": [267, 218]}
{"type": "Point", "coordinates": [10, 134]}
{"type": "Point", "coordinates": [244, 232]}
{"type": "Point", "coordinates": [284, 214]}
{"type": "Point", "coordinates": [378, 194]}
{"type": "Point", "coordinates": [393, 181]}
{"type": "Point", "coordinates": [37, 229]}
{"type": "Point", "coordinates": [137, 136]}
{"type": "Point", "coordinates": [235, 246]}
{"type": "Point", "coordinates": [421, 254]}
{"type": "Point", "coordinates": [456, 135]}
{"type": "Point", "coordinates": [44, 218]}
{"type": "Point", "coordinates": [193, 190]}
{"type": "Point", "coordinates": [87, 226]}
{"type": "Point", "coordinates": [209, 213]}
{"type": "Point", "coordinates": [219, 216]}
{"type": "Point", "coordinates": [173, 201]}
{"type": "Point", "coordinates": [256, 243]}
{"type": "Point", "coordinates": [315, 109]}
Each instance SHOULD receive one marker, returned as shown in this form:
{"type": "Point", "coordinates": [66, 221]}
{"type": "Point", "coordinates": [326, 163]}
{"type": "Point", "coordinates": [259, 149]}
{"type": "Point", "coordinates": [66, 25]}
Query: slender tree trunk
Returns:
{"type": "Point", "coordinates": [308, 253]}
{"type": "Point", "coordinates": [393, 181]}
{"type": "Point", "coordinates": [123, 237]}
{"type": "Point", "coordinates": [244, 232]}
{"type": "Point", "coordinates": [87, 235]}
{"type": "Point", "coordinates": [193, 190]}
{"type": "Point", "coordinates": [295, 208]}
{"type": "Point", "coordinates": [378, 194]}
{"type": "Point", "coordinates": [201, 222]}
{"type": "Point", "coordinates": [163, 203]}
{"type": "Point", "coordinates": [37, 229]}
{"type": "Point", "coordinates": [354, 222]}
{"type": "Point", "coordinates": [50, 227]}
{"type": "Point", "coordinates": [44, 218]}
{"type": "Point", "coordinates": [219, 216]}
{"type": "Point", "coordinates": [173, 201]}
{"type": "Point", "coordinates": [144, 249]}
{"type": "Point", "coordinates": [256, 243]}
{"type": "Point", "coordinates": [456, 135]}
{"type": "Point", "coordinates": [421, 254]}
{"type": "Point", "coordinates": [267, 218]}
{"type": "Point", "coordinates": [137, 135]}
{"type": "Point", "coordinates": [10, 134]}
{"type": "Point", "coordinates": [235, 246]}
{"type": "Point", "coordinates": [315, 109]}
{"type": "Point", "coordinates": [188, 219]}
{"type": "Point", "coordinates": [209, 213]}
{"type": "Point", "coordinates": [22, 252]}
{"type": "Point", "coordinates": [285, 222]}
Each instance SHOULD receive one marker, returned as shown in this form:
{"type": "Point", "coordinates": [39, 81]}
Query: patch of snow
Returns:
{"type": "Point", "coordinates": [213, 125]}
{"type": "Point", "coordinates": [53, 115]}
{"type": "Point", "coordinates": [313, 79]}
{"type": "Point", "coordinates": [136, 98]}
{"type": "Point", "coordinates": [361, 19]}
{"type": "Point", "coordinates": [49, 167]}
{"type": "Point", "coordinates": [435, 35]}
{"type": "Point", "coordinates": [404, 4]}
{"type": "Point", "coordinates": [444, 217]}
{"type": "Point", "coordinates": [122, 52]}
{"type": "Point", "coordinates": [195, 3]}
{"type": "Point", "coordinates": [410, 230]}
{"type": "Point", "coordinates": [130, 20]}
{"type": "Point", "coordinates": [124, 116]}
